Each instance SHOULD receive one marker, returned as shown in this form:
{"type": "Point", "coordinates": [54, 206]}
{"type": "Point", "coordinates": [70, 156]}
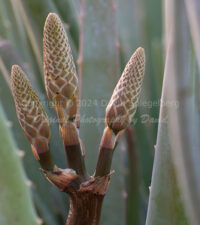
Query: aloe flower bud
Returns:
{"type": "Point", "coordinates": [30, 112]}
{"type": "Point", "coordinates": [60, 74]}
{"type": "Point", "coordinates": [123, 103]}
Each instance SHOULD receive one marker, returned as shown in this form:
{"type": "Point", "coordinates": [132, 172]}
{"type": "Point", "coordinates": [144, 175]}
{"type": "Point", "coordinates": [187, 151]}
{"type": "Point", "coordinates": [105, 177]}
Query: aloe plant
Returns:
{"type": "Point", "coordinates": [102, 37]}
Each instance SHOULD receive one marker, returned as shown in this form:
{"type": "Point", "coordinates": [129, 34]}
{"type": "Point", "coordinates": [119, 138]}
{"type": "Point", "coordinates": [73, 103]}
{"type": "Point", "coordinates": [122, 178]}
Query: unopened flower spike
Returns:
{"type": "Point", "coordinates": [60, 74]}
{"type": "Point", "coordinates": [31, 115]}
{"type": "Point", "coordinates": [123, 103]}
{"type": "Point", "coordinates": [61, 84]}
{"type": "Point", "coordinates": [121, 109]}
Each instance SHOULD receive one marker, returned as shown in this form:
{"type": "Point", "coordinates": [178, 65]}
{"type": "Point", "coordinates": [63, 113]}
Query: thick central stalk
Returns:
{"type": "Point", "coordinates": [85, 208]}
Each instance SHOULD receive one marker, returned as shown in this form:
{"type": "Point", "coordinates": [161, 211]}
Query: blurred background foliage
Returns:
{"type": "Point", "coordinates": [103, 35]}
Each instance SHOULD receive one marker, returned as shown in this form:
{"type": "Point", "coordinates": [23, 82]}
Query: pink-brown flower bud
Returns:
{"type": "Point", "coordinates": [32, 117]}
{"type": "Point", "coordinates": [60, 73]}
{"type": "Point", "coordinates": [123, 103]}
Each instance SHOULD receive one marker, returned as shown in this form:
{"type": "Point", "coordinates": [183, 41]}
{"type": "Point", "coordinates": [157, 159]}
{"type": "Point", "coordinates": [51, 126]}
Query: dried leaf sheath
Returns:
{"type": "Point", "coordinates": [31, 114]}
{"type": "Point", "coordinates": [123, 103]}
{"type": "Point", "coordinates": [60, 74]}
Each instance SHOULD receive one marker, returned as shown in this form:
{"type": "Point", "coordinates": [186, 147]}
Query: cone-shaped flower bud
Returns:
{"type": "Point", "coordinates": [30, 112]}
{"type": "Point", "coordinates": [60, 74]}
{"type": "Point", "coordinates": [123, 103]}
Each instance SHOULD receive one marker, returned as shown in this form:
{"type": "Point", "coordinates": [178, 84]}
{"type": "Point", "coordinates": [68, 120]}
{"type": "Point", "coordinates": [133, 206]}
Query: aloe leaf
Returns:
{"type": "Point", "coordinates": [38, 11]}
{"type": "Point", "coordinates": [133, 180]}
{"type": "Point", "coordinates": [192, 9]}
{"type": "Point", "coordinates": [129, 19]}
{"type": "Point", "coordinates": [166, 205]}
{"type": "Point", "coordinates": [184, 120]}
{"type": "Point", "coordinates": [16, 204]}
{"type": "Point", "coordinates": [180, 134]}
{"type": "Point", "coordinates": [10, 24]}
{"type": "Point", "coordinates": [14, 31]}
{"type": "Point", "coordinates": [165, 201]}
{"type": "Point", "coordinates": [76, 5]}
{"type": "Point", "coordinates": [44, 212]}
{"type": "Point", "coordinates": [99, 79]}
{"type": "Point", "coordinates": [19, 9]}
{"type": "Point", "coordinates": [67, 12]}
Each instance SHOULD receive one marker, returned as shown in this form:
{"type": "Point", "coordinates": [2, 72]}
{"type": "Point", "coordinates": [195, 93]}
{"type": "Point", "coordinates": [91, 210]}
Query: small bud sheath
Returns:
{"type": "Point", "coordinates": [31, 114]}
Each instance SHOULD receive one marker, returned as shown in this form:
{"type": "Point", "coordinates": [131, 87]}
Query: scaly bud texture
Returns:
{"type": "Point", "coordinates": [30, 111]}
{"type": "Point", "coordinates": [123, 103]}
{"type": "Point", "coordinates": [60, 74]}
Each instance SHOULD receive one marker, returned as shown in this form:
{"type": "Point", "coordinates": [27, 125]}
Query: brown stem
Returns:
{"type": "Point", "coordinates": [73, 148]}
{"type": "Point", "coordinates": [75, 160]}
{"type": "Point", "coordinates": [86, 202]}
{"type": "Point", "coordinates": [104, 161]}
{"type": "Point", "coordinates": [46, 161]}
{"type": "Point", "coordinates": [86, 198]}
{"type": "Point", "coordinates": [44, 158]}
{"type": "Point", "coordinates": [85, 209]}
{"type": "Point", "coordinates": [108, 144]}
{"type": "Point", "coordinates": [105, 153]}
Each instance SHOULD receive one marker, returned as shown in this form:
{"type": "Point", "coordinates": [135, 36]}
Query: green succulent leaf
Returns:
{"type": "Point", "coordinates": [16, 202]}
